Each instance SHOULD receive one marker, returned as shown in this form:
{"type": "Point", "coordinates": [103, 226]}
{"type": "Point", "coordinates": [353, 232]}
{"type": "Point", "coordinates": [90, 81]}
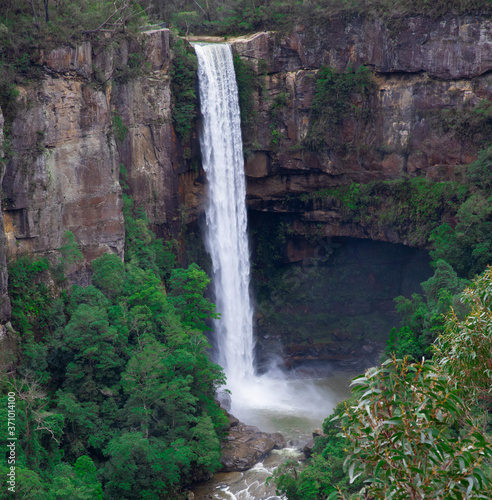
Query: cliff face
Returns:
{"type": "Point", "coordinates": [72, 132]}
{"type": "Point", "coordinates": [74, 128]}
{"type": "Point", "coordinates": [420, 67]}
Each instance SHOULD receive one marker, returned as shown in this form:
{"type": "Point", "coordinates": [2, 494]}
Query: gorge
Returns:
{"type": "Point", "coordinates": [358, 134]}
{"type": "Point", "coordinates": [415, 82]}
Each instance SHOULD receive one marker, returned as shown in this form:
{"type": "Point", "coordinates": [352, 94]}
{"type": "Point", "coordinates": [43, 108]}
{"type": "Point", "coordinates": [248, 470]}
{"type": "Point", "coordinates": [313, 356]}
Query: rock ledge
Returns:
{"type": "Point", "coordinates": [246, 445]}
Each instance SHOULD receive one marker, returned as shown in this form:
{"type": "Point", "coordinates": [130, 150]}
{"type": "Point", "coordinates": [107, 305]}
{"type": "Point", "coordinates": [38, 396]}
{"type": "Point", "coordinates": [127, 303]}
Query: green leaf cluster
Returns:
{"type": "Point", "coordinates": [406, 433]}
{"type": "Point", "coordinates": [183, 88]}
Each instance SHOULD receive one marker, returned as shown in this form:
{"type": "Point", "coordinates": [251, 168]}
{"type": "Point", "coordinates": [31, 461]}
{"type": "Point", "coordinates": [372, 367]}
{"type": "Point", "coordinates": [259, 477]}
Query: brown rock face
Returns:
{"type": "Point", "coordinates": [147, 151]}
{"type": "Point", "coordinates": [64, 175]}
{"type": "Point", "coordinates": [69, 138]}
{"type": "Point", "coordinates": [420, 68]}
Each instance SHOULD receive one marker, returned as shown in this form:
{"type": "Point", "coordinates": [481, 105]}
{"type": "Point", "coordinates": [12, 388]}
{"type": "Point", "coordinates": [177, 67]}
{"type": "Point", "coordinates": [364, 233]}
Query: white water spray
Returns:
{"type": "Point", "coordinates": [226, 236]}
{"type": "Point", "coordinates": [226, 240]}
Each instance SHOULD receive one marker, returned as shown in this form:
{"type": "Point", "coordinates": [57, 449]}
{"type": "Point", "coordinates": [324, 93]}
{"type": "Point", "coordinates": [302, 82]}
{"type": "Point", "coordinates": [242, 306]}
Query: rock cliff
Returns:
{"type": "Point", "coordinates": [420, 68]}
{"type": "Point", "coordinates": [86, 116]}
{"type": "Point", "coordinates": [74, 127]}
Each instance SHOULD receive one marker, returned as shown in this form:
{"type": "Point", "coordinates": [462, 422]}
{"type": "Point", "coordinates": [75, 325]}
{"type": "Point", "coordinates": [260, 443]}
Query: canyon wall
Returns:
{"type": "Point", "coordinates": [423, 71]}
{"type": "Point", "coordinates": [74, 127]}
{"type": "Point", "coordinates": [88, 114]}
{"type": "Point", "coordinates": [420, 68]}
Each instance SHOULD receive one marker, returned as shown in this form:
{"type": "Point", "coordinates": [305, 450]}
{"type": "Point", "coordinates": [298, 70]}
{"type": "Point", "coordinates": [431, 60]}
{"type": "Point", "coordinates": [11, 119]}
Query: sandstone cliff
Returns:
{"type": "Point", "coordinates": [74, 128]}
{"type": "Point", "coordinates": [421, 67]}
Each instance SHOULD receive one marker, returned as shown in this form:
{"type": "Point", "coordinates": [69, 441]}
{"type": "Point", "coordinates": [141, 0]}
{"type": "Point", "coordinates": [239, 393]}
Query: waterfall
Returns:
{"type": "Point", "coordinates": [274, 395]}
{"type": "Point", "coordinates": [226, 236]}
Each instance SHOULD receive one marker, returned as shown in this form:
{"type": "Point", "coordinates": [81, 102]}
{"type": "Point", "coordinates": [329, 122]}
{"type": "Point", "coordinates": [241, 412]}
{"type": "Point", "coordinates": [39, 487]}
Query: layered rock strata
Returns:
{"type": "Point", "coordinates": [420, 68]}
{"type": "Point", "coordinates": [75, 126]}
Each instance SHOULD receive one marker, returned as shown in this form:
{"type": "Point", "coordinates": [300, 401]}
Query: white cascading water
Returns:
{"type": "Point", "coordinates": [226, 218]}
{"type": "Point", "coordinates": [274, 395]}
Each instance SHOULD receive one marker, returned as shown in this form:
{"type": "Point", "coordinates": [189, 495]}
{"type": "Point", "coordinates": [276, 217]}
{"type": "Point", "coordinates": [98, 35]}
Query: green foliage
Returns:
{"type": "Point", "coordinates": [183, 84]}
{"type": "Point", "coordinates": [245, 79]}
{"type": "Point", "coordinates": [142, 248]}
{"type": "Point", "coordinates": [8, 96]}
{"type": "Point", "coordinates": [241, 16]}
{"type": "Point", "coordinates": [70, 257]}
{"type": "Point", "coordinates": [183, 20]}
{"type": "Point", "coordinates": [142, 468]}
{"type": "Point", "coordinates": [401, 434]}
{"type": "Point", "coordinates": [132, 387]}
{"type": "Point", "coordinates": [109, 274]}
{"type": "Point", "coordinates": [467, 246]}
{"type": "Point", "coordinates": [403, 342]}
{"type": "Point", "coordinates": [134, 67]}
{"type": "Point", "coordinates": [29, 295]}
{"type": "Point", "coordinates": [187, 288]}
{"type": "Point", "coordinates": [332, 103]}
{"type": "Point", "coordinates": [423, 316]}
{"type": "Point", "coordinates": [463, 349]}
{"type": "Point", "coordinates": [479, 173]}
{"type": "Point", "coordinates": [119, 128]}
{"type": "Point", "coordinates": [70, 250]}
{"type": "Point", "coordinates": [78, 482]}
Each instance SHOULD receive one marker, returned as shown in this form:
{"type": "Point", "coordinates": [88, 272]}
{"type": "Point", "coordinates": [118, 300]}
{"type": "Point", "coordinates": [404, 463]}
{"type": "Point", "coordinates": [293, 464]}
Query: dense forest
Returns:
{"type": "Point", "coordinates": [114, 388]}
{"type": "Point", "coordinates": [115, 391]}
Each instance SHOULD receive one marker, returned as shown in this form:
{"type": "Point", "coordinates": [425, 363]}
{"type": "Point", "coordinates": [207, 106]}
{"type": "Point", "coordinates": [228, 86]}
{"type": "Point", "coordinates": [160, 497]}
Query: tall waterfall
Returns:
{"type": "Point", "coordinates": [275, 394]}
{"type": "Point", "coordinates": [226, 236]}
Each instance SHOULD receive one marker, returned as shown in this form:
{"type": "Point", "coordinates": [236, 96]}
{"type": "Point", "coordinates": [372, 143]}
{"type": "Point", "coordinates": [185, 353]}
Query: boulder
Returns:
{"type": "Point", "coordinates": [245, 446]}
{"type": "Point", "coordinates": [308, 448]}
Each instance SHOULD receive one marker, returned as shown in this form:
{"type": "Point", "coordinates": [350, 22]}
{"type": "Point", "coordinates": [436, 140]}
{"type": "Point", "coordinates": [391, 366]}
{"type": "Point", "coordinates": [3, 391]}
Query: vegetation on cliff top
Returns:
{"type": "Point", "coordinates": [240, 16]}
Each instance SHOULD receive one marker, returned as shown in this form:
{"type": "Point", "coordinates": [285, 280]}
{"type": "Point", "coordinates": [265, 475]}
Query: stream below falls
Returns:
{"type": "Point", "coordinates": [317, 396]}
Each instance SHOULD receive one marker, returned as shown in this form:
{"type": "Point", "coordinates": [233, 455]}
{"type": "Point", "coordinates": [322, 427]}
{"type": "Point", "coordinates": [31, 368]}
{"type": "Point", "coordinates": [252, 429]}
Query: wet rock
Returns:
{"type": "Point", "coordinates": [279, 441]}
{"type": "Point", "coordinates": [224, 399]}
{"type": "Point", "coordinates": [246, 445]}
{"type": "Point", "coordinates": [233, 421]}
{"type": "Point", "coordinates": [308, 448]}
